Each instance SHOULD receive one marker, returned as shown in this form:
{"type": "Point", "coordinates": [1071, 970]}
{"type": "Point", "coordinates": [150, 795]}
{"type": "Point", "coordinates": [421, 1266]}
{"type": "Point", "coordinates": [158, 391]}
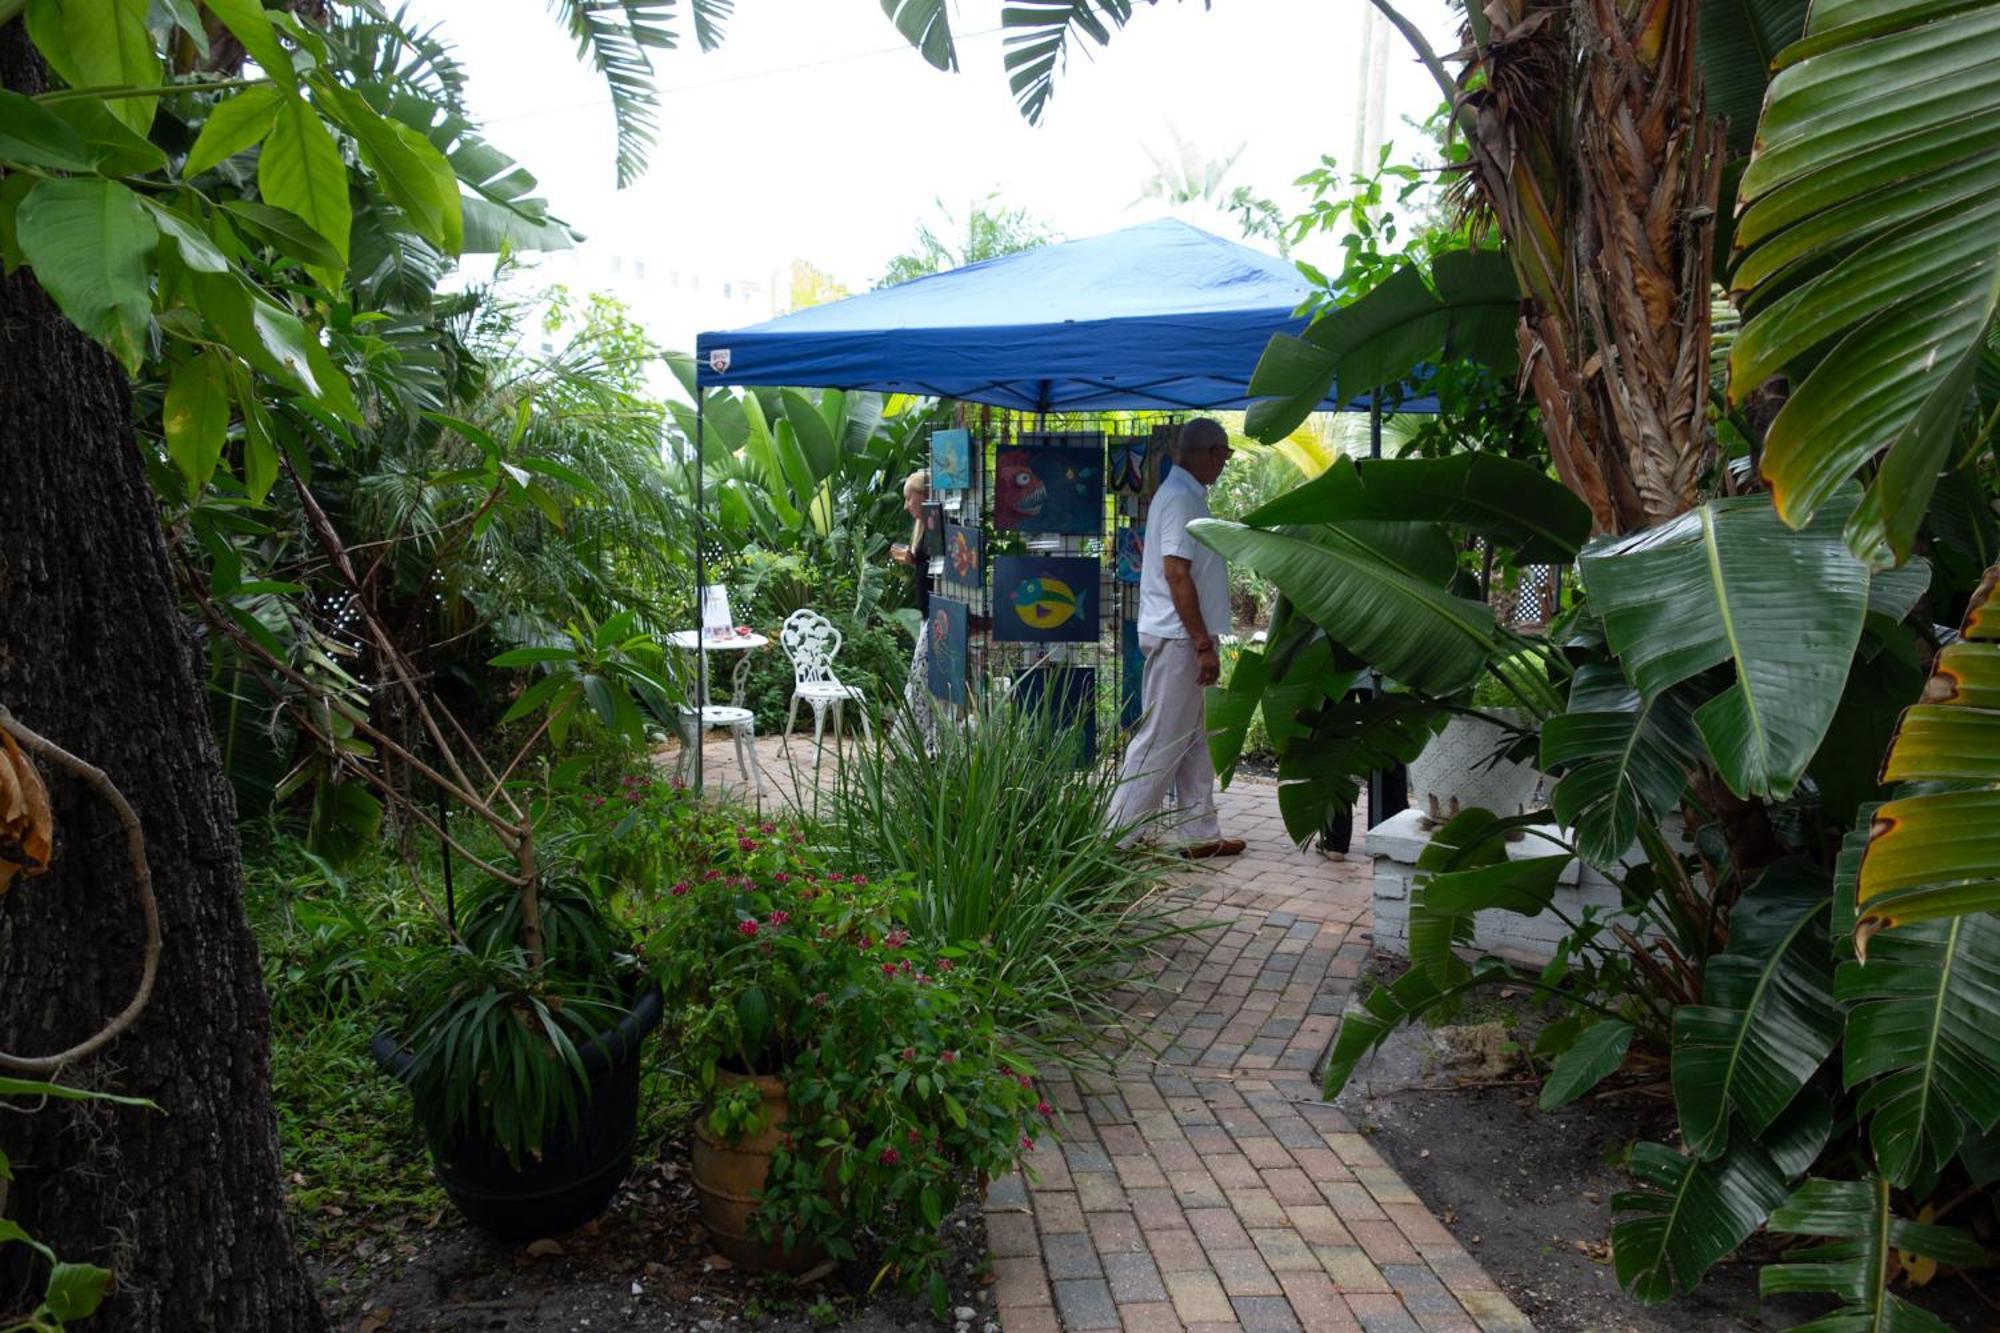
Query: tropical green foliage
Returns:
{"type": "Point", "coordinates": [1871, 1244]}
{"type": "Point", "coordinates": [72, 1291]}
{"type": "Point", "coordinates": [1004, 839]}
{"type": "Point", "coordinates": [989, 230]}
{"type": "Point", "coordinates": [1869, 254]}
{"type": "Point", "coordinates": [805, 491]}
{"type": "Point", "coordinates": [1732, 674]}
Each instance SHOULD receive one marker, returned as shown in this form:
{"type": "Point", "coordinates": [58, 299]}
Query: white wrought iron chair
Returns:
{"type": "Point", "coordinates": [741, 724]}
{"type": "Point", "coordinates": [812, 642]}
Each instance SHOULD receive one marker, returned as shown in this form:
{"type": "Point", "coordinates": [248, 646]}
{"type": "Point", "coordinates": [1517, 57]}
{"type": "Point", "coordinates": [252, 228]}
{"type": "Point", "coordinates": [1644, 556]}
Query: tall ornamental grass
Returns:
{"type": "Point", "coordinates": [1008, 840]}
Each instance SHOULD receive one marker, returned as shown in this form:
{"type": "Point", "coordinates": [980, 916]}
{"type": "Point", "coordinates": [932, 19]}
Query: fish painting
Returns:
{"type": "Point", "coordinates": [1019, 494]}
{"type": "Point", "coordinates": [1045, 599]}
{"type": "Point", "coordinates": [962, 561]}
{"type": "Point", "coordinates": [1052, 489]}
{"type": "Point", "coordinates": [1045, 603]}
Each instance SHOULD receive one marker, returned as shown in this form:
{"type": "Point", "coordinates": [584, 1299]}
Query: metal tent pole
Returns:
{"type": "Point", "coordinates": [1388, 790]}
{"type": "Point", "coordinates": [700, 585]}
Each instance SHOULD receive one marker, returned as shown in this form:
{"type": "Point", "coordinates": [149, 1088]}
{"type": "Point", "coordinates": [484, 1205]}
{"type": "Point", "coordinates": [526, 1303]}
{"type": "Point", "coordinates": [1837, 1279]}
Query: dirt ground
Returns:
{"type": "Point", "coordinates": [645, 1265]}
{"type": "Point", "coordinates": [1529, 1194]}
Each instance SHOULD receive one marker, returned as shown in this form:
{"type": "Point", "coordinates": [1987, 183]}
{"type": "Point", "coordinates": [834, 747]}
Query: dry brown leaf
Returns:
{"type": "Point", "coordinates": [27, 830]}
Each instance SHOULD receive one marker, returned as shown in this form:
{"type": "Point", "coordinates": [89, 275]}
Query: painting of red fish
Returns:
{"type": "Point", "coordinates": [1050, 489]}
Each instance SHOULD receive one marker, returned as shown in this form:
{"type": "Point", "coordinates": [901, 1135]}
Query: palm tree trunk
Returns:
{"type": "Point", "coordinates": [1593, 153]}
{"type": "Point", "coordinates": [184, 1204]}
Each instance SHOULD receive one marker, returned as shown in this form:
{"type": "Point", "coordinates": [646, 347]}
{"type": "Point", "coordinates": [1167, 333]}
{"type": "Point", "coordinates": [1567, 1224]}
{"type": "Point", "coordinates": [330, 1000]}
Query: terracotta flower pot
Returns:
{"type": "Point", "coordinates": [730, 1176]}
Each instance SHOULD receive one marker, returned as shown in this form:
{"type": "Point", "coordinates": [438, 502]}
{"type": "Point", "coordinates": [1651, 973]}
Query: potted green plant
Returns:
{"type": "Point", "coordinates": [520, 1034]}
{"type": "Point", "coordinates": [857, 1084]}
{"type": "Point", "coordinates": [525, 1075]}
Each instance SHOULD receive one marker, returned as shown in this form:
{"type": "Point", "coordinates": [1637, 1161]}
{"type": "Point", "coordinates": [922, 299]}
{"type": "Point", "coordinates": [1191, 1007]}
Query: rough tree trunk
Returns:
{"type": "Point", "coordinates": [185, 1206]}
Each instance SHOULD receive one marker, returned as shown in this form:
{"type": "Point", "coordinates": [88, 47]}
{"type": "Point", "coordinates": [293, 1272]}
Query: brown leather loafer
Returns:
{"type": "Point", "coordinates": [1201, 851]}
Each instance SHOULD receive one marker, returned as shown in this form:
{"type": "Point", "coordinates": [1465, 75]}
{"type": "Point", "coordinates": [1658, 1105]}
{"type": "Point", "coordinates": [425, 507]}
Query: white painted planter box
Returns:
{"type": "Point", "coordinates": [1397, 842]}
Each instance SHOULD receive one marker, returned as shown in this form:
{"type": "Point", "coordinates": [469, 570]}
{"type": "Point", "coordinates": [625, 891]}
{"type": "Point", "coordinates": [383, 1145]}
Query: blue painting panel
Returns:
{"type": "Point", "coordinates": [947, 628]}
{"type": "Point", "coordinates": [951, 460]}
{"type": "Point", "coordinates": [1131, 552]}
{"type": "Point", "coordinates": [963, 555]}
{"type": "Point", "coordinates": [1128, 463]}
{"type": "Point", "coordinates": [1045, 599]}
{"type": "Point", "coordinates": [1053, 489]}
{"type": "Point", "coordinates": [1070, 693]}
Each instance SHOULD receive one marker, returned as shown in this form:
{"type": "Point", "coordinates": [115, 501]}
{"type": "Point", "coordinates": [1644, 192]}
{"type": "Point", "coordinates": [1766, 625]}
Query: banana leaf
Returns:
{"type": "Point", "coordinates": [1387, 335]}
{"type": "Point", "coordinates": [1872, 1245]}
{"type": "Point", "coordinates": [1767, 1020]}
{"type": "Point", "coordinates": [1869, 238]}
{"type": "Point", "coordinates": [1622, 759]}
{"type": "Point", "coordinates": [1388, 612]}
{"type": "Point", "coordinates": [1730, 584]}
{"type": "Point", "coordinates": [1737, 41]}
{"type": "Point", "coordinates": [1689, 1214]}
{"type": "Point", "coordinates": [1510, 503]}
{"type": "Point", "coordinates": [1590, 1059]}
{"type": "Point", "coordinates": [1321, 767]}
{"type": "Point", "coordinates": [1464, 869]}
{"type": "Point", "coordinates": [1923, 1039]}
{"type": "Point", "coordinates": [1386, 1008]}
{"type": "Point", "coordinates": [1936, 852]}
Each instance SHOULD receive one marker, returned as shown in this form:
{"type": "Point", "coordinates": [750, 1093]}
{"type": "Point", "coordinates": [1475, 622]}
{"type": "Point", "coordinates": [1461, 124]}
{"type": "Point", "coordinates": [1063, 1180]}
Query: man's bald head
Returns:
{"type": "Point", "coordinates": [1202, 447]}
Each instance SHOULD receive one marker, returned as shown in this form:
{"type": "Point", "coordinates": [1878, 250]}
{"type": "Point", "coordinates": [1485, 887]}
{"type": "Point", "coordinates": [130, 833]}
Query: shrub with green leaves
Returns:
{"type": "Point", "coordinates": [1005, 839]}
{"type": "Point", "coordinates": [901, 1083]}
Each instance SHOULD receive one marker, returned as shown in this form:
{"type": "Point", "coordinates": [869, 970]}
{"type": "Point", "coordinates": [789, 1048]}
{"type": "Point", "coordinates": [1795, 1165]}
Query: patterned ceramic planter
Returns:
{"type": "Point", "coordinates": [1458, 771]}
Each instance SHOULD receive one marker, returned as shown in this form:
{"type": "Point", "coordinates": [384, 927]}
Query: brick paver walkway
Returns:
{"type": "Point", "coordinates": [1208, 1187]}
{"type": "Point", "coordinates": [1205, 1186]}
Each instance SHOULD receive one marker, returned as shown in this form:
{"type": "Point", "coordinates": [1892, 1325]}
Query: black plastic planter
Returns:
{"type": "Point", "coordinates": [577, 1173]}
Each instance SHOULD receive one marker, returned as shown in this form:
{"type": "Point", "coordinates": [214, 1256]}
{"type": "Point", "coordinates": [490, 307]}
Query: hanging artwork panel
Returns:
{"type": "Point", "coordinates": [951, 460]}
{"type": "Point", "coordinates": [1070, 695]}
{"type": "Point", "coordinates": [1131, 552]}
{"type": "Point", "coordinates": [1128, 464]}
{"type": "Point", "coordinates": [1050, 489]}
{"type": "Point", "coordinates": [947, 628]}
{"type": "Point", "coordinates": [964, 562]}
{"type": "Point", "coordinates": [1045, 599]}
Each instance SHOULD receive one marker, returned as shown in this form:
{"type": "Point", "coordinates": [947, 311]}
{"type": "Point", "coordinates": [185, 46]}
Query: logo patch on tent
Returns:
{"type": "Point", "coordinates": [718, 360]}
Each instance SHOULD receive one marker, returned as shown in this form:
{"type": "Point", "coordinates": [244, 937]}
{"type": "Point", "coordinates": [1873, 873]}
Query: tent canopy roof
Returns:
{"type": "Point", "coordinates": [1157, 316]}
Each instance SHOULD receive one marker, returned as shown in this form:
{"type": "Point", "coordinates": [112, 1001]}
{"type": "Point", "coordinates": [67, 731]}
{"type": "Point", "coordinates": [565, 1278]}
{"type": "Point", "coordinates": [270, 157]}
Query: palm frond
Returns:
{"type": "Point", "coordinates": [1038, 44]}
{"type": "Point", "coordinates": [926, 26]}
{"type": "Point", "coordinates": [614, 36]}
{"type": "Point", "coordinates": [709, 16]}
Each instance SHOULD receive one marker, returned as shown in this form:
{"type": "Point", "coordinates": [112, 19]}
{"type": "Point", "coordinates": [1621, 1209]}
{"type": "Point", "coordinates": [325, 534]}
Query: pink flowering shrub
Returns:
{"type": "Point", "coordinates": [902, 1091]}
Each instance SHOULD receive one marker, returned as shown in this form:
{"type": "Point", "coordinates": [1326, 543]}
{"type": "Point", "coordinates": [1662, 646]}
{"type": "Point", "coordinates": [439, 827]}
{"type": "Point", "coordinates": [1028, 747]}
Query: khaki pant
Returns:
{"type": "Point", "coordinates": [1169, 751]}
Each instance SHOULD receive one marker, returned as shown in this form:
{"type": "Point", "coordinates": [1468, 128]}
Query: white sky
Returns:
{"type": "Point", "coordinates": [817, 133]}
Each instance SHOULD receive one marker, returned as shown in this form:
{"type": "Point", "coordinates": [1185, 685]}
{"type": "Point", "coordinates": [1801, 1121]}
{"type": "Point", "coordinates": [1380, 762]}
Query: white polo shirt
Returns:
{"type": "Point", "coordinates": [1180, 500]}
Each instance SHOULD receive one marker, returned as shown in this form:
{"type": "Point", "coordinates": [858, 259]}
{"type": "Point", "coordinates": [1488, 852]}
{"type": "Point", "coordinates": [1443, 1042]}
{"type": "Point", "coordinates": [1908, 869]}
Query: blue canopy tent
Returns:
{"type": "Point", "coordinates": [1160, 317]}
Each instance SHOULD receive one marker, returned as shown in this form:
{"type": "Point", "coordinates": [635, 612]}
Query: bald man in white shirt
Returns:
{"type": "Point", "coordinates": [1183, 604]}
